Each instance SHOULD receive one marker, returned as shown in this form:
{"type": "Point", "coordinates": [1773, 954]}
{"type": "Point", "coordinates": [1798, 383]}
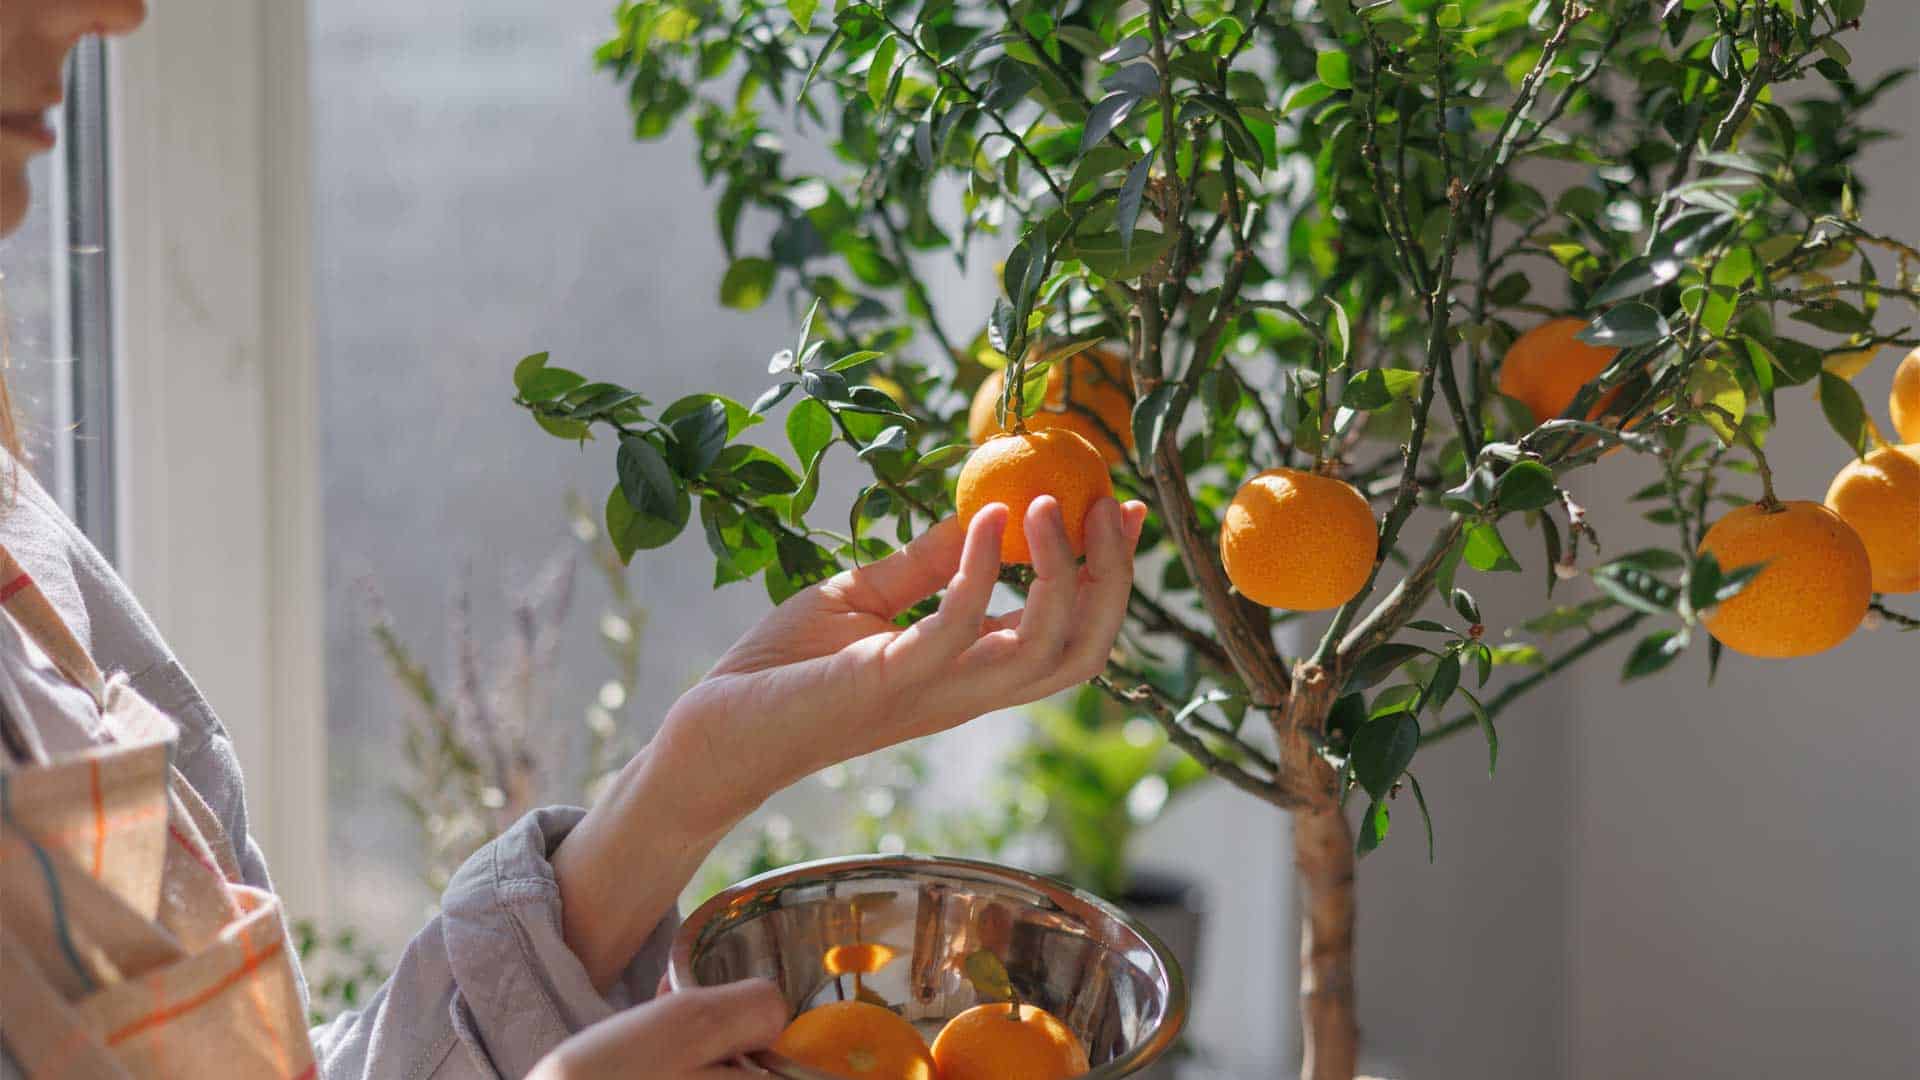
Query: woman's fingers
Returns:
{"type": "Point", "coordinates": [926, 646]}
{"type": "Point", "coordinates": [1112, 531]}
{"type": "Point", "coordinates": [1056, 581]}
{"type": "Point", "coordinates": [712, 1025]}
{"type": "Point", "coordinates": [902, 579]}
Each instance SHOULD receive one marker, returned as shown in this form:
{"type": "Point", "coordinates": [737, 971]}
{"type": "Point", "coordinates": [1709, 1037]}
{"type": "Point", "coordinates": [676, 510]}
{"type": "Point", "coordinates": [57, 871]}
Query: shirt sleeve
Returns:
{"type": "Point", "coordinates": [488, 987]}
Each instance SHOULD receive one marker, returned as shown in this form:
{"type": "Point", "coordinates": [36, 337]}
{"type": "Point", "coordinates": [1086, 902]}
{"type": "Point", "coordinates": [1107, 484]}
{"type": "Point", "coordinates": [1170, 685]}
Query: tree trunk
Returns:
{"type": "Point", "coordinates": [1329, 1028]}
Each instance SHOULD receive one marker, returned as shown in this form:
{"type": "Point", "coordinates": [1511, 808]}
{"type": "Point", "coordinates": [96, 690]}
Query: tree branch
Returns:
{"type": "Point", "coordinates": [1594, 640]}
{"type": "Point", "coordinates": [1193, 745]}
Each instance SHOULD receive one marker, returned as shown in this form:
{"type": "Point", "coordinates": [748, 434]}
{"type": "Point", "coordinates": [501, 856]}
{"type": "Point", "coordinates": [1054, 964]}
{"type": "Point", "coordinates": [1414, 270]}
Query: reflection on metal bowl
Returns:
{"type": "Point", "coordinates": [1109, 978]}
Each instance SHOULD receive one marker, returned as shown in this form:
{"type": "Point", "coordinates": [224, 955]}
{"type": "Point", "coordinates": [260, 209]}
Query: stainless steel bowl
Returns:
{"type": "Point", "coordinates": [1082, 960]}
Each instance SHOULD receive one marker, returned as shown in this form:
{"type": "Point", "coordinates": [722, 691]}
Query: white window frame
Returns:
{"type": "Point", "coordinates": [218, 488]}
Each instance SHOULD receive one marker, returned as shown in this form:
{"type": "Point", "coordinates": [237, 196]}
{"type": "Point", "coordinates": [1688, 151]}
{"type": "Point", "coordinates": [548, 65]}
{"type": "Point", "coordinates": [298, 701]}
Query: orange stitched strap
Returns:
{"type": "Point", "coordinates": [39, 620]}
{"type": "Point", "coordinates": [99, 817]}
{"type": "Point", "coordinates": [160, 1016]}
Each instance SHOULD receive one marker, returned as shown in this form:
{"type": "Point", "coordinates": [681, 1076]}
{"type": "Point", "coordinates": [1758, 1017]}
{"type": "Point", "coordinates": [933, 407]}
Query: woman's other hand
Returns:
{"type": "Point", "coordinates": [829, 675]}
{"type": "Point", "coordinates": [691, 1035]}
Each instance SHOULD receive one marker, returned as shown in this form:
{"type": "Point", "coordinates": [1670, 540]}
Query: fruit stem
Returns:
{"type": "Point", "coordinates": [1768, 501]}
{"type": "Point", "coordinates": [1017, 395]}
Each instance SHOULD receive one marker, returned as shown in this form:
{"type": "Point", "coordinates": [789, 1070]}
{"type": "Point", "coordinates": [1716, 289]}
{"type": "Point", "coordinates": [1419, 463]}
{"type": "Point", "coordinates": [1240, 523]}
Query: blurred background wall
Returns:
{"type": "Point", "coordinates": [1742, 863]}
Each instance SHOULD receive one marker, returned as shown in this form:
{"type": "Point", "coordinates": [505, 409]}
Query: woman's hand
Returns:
{"type": "Point", "coordinates": [691, 1035]}
{"type": "Point", "coordinates": [828, 675]}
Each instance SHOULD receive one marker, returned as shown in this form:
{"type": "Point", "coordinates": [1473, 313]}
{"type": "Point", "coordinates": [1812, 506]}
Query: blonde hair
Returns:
{"type": "Point", "coordinates": [9, 430]}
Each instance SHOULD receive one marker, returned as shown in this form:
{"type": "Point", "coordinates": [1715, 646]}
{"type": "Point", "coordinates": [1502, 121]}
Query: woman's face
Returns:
{"type": "Point", "coordinates": [35, 36]}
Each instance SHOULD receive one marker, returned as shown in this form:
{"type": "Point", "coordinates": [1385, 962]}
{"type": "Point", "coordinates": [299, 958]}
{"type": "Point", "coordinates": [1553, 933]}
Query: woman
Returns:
{"type": "Point", "coordinates": [551, 939]}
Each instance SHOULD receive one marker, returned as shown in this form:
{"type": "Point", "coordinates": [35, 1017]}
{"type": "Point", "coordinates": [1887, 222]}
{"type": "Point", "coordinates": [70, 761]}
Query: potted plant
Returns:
{"type": "Point", "coordinates": [1102, 774]}
{"type": "Point", "coordinates": [1353, 260]}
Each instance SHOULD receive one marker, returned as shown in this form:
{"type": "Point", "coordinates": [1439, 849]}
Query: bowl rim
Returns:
{"type": "Point", "coordinates": [1067, 897]}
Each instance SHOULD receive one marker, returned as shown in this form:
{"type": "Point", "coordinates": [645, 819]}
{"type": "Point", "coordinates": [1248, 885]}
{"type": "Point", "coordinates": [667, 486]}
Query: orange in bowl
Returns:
{"type": "Point", "coordinates": [1008, 1042]}
{"type": "Point", "coordinates": [858, 1041]}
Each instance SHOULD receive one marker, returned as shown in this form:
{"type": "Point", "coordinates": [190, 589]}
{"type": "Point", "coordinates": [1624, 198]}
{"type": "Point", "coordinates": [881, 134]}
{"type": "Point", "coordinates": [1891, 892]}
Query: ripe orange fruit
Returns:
{"type": "Point", "coordinates": [1101, 385]}
{"type": "Point", "coordinates": [1813, 592]}
{"type": "Point", "coordinates": [859, 1041]}
{"type": "Point", "coordinates": [1005, 1042]}
{"type": "Point", "coordinates": [1298, 540]}
{"type": "Point", "coordinates": [1905, 399]}
{"type": "Point", "coordinates": [1546, 366]}
{"type": "Point", "coordinates": [1017, 469]}
{"type": "Point", "coordinates": [1880, 497]}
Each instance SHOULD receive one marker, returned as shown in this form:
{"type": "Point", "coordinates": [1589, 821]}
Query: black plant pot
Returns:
{"type": "Point", "coordinates": [1175, 909]}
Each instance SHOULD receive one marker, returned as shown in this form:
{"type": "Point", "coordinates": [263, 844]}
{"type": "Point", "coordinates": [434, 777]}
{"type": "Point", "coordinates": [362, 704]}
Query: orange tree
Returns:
{"type": "Point", "coordinates": [1311, 230]}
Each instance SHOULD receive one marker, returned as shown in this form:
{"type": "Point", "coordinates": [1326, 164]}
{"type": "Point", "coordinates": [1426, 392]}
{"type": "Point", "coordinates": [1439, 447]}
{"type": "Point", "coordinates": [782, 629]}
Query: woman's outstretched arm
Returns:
{"type": "Point", "coordinates": [828, 676]}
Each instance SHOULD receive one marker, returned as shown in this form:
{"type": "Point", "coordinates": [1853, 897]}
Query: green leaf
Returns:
{"type": "Point", "coordinates": [1836, 316]}
{"type": "Point", "coordinates": [1150, 419]}
{"type": "Point", "coordinates": [526, 369]}
{"type": "Point", "coordinates": [988, 975]}
{"type": "Point", "coordinates": [1626, 325]}
{"type": "Point", "coordinates": [758, 470]}
{"type": "Point", "coordinates": [1381, 751]}
{"type": "Point", "coordinates": [939, 458]}
{"type": "Point", "coordinates": [1109, 256]}
{"type": "Point", "coordinates": [880, 72]}
{"type": "Point", "coordinates": [1127, 207]}
{"type": "Point", "coordinates": [1233, 127]}
{"type": "Point", "coordinates": [773, 396]}
{"type": "Point", "coordinates": [1306, 96]}
{"type": "Point", "coordinates": [1732, 581]}
{"type": "Point", "coordinates": [809, 490]}
{"type": "Point", "coordinates": [1636, 276]}
{"type": "Point", "coordinates": [570, 430]}
{"type": "Point", "coordinates": [546, 384]}
{"type": "Point", "coordinates": [1480, 714]}
{"type": "Point", "coordinates": [747, 283]}
{"type": "Point", "coordinates": [1526, 485]}
{"type": "Point", "coordinates": [802, 11]}
{"type": "Point", "coordinates": [645, 478]}
{"type": "Point", "coordinates": [631, 530]}
{"type": "Point", "coordinates": [1033, 387]}
{"type": "Point", "coordinates": [1394, 699]}
{"type": "Point", "coordinates": [1653, 652]}
{"type": "Point", "coordinates": [1636, 589]}
{"type": "Point", "coordinates": [1651, 560]}
{"type": "Point", "coordinates": [1380, 662]}
{"type": "Point", "coordinates": [854, 360]}
{"type": "Point", "coordinates": [1373, 827]}
{"type": "Point", "coordinates": [1378, 388]}
{"type": "Point", "coordinates": [698, 438]}
{"type": "Point", "coordinates": [1334, 69]}
{"type": "Point", "coordinates": [809, 430]}
{"type": "Point", "coordinates": [1339, 334]}
{"type": "Point", "coordinates": [1109, 113]}
{"type": "Point", "coordinates": [1486, 551]}
{"type": "Point", "coordinates": [891, 440]}
{"type": "Point", "coordinates": [1419, 796]}
{"type": "Point", "coordinates": [1715, 384]}
{"type": "Point", "coordinates": [1445, 680]}
{"type": "Point", "coordinates": [1845, 412]}
{"type": "Point", "coordinates": [825, 385]}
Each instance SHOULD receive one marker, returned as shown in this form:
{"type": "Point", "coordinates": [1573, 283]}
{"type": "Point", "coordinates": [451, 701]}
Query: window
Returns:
{"type": "Point", "coordinates": [59, 310]}
{"type": "Point", "coordinates": [477, 197]}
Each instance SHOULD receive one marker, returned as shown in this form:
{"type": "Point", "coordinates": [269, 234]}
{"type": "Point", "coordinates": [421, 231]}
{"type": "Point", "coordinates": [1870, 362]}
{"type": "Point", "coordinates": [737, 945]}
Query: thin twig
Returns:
{"type": "Point", "coordinates": [1493, 705]}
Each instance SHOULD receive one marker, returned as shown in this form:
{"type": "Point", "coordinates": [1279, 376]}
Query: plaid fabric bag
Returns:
{"type": "Point", "coordinates": [128, 945]}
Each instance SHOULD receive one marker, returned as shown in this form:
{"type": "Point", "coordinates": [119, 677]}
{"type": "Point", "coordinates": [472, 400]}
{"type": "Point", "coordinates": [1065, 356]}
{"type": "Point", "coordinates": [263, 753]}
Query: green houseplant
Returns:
{"type": "Point", "coordinates": [1313, 229]}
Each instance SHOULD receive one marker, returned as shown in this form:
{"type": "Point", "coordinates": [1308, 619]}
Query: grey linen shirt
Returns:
{"type": "Point", "coordinates": [484, 990]}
